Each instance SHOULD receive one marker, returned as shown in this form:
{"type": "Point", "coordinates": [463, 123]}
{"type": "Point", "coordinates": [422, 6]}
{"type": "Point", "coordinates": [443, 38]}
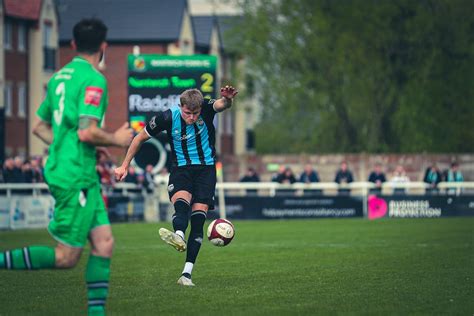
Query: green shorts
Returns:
{"type": "Point", "coordinates": [76, 213]}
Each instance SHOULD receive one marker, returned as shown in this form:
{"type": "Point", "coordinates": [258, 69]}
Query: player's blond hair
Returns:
{"type": "Point", "coordinates": [192, 99]}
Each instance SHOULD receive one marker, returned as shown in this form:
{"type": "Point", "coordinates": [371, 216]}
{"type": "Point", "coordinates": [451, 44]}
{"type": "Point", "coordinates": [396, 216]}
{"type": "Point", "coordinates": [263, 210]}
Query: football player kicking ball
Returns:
{"type": "Point", "coordinates": [192, 180]}
{"type": "Point", "coordinates": [71, 117]}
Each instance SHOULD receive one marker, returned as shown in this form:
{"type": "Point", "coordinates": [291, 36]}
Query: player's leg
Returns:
{"type": "Point", "coordinates": [63, 227]}
{"type": "Point", "coordinates": [40, 257]}
{"type": "Point", "coordinates": [205, 184]}
{"type": "Point", "coordinates": [176, 239]}
{"type": "Point", "coordinates": [98, 269]}
{"type": "Point", "coordinates": [181, 201]}
{"type": "Point", "coordinates": [98, 266]}
{"type": "Point", "coordinates": [66, 256]}
{"type": "Point", "coordinates": [179, 189]}
{"type": "Point", "coordinates": [198, 217]}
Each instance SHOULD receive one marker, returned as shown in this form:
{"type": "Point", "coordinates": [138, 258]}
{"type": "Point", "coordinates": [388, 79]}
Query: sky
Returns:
{"type": "Point", "coordinates": [208, 7]}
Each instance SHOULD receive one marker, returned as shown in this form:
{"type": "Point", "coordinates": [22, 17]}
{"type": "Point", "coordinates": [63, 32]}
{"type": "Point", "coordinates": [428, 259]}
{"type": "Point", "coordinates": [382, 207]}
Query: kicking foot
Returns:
{"type": "Point", "coordinates": [185, 281]}
{"type": "Point", "coordinates": [172, 239]}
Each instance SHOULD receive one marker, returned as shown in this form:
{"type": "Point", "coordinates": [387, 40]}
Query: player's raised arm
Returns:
{"type": "Point", "coordinates": [90, 132]}
{"type": "Point", "coordinates": [228, 93]}
{"type": "Point", "coordinates": [121, 172]}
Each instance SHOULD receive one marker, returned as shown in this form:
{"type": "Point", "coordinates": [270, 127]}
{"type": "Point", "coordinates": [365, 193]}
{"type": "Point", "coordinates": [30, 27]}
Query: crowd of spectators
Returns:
{"type": "Point", "coordinates": [433, 175]}
{"type": "Point", "coordinates": [105, 171]}
{"type": "Point", "coordinates": [19, 170]}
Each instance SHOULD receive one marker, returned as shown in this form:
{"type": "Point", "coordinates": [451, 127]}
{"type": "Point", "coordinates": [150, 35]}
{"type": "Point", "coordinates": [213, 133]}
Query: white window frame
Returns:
{"type": "Point", "coordinates": [22, 37]}
{"type": "Point", "coordinates": [22, 99]}
{"type": "Point", "coordinates": [8, 98]}
{"type": "Point", "coordinates": [47, 34]}
{"type": "Point", "coordinates": [8, 35]}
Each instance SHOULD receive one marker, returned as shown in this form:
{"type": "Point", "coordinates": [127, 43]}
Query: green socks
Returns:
{"type": "Point", "coordinates": [97, 278]}
{"type": "Point", "coordinates": [38, 257]}
{"type": "Point", "coordinates": [28, 258]}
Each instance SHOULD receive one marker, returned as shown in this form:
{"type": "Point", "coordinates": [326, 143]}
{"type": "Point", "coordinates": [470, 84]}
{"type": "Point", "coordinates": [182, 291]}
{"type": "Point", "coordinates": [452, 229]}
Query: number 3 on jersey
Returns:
{"type": "Point", "coordinates": [58, 114]}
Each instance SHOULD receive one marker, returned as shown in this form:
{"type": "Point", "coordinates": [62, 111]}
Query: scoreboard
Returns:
{"type": "Point", "coordinates": [155, 83]}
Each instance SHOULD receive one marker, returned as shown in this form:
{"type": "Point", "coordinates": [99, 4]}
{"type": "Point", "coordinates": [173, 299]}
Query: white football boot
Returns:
{"type": "Point", "coordinates": [172, 239]}
{"type": "Point", "coordinates": [185, 281]}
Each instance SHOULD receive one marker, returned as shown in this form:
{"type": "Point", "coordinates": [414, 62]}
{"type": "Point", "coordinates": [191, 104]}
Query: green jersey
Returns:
{"type": "Point", "coordinates": [75, 91]}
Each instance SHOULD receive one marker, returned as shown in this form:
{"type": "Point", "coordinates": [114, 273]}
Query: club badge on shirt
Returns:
{"type": "Point", "coordinates": [93, 96]}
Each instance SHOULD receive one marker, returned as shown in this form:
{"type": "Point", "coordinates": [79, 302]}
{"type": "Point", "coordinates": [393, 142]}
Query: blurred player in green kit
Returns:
{"type": "Point", "coordinates": [70, 121]}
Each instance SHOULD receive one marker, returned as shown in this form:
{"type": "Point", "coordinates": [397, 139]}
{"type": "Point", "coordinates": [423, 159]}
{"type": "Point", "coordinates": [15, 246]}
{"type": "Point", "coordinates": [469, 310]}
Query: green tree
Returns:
{"type": "Point", "coordinates": [352, 76]}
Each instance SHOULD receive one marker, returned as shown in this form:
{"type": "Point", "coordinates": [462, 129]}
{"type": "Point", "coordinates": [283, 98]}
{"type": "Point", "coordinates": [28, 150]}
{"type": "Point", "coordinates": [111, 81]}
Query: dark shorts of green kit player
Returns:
{"type": "Point", "coordinates": [198, 180]}
{"type": "Point", "coordinates": [76, 213]}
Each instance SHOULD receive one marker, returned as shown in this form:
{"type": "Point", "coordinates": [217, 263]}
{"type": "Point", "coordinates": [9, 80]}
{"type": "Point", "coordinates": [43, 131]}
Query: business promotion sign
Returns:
{"type": "Point", "coordinates": [156, 81]}
{"type": "Point", "coordinates": [419, 206]}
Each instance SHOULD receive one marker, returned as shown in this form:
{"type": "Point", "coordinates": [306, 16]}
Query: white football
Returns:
{"type": "Point", "coordinates": [220, 232]}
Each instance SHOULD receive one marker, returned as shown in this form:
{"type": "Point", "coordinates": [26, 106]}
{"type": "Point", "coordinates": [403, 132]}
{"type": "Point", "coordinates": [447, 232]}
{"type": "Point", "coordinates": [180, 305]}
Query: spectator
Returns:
{"type": "Point", "coordinates": [140, 180]}
{"type": "Point", "coordinates": [149, 179]}
{"type": "Point", "coordinates": [309, 175]}
{"type": "Point", "coordinates": [17, 170]}
{"type": "Point", "coordinates": [250, 176]}
{"type": "Point", "coordinates": [37, 170]}
{"type": "Point", "coordinates": [279, 174]}
{"type": "Point", "coordinates": [432, 177]}
{"type": "Point", "coordinates": [343, 175]}
{"type": "Point", "coordinates": [132, 176]}
{"type": "Point", "coordinates": [286, 177]}
{"type": "Point", "coordinates": [8, 171]}
{"type": "Point", "coordinates": [27, 172]}
{"type": "Point", "coordinates": [377, 176]}
{"type": "Point", "coordinates": [453, 174]}
{"type": "Point", "coordinates": [399, 176]}
{"type": "Point", "coordinates": [105, 174]}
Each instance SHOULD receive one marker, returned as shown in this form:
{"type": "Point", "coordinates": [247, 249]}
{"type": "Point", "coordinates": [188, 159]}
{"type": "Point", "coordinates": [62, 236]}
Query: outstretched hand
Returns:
{"type": "Point", "coordinates": [120, 173]}
{"type": "Point", "coordinates": [229, 92]}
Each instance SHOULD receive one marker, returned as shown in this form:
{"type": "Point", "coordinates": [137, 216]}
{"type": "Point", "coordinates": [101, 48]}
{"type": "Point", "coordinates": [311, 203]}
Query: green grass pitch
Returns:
{"type": "Point", "coordinates": [294, 267]}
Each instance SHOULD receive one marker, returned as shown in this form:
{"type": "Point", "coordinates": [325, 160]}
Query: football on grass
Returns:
{"type": "Point", "coordinates": [220, 232]}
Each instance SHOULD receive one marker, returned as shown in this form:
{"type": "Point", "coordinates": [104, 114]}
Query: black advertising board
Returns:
{"type": "Point", "coordinates": [255, 207]}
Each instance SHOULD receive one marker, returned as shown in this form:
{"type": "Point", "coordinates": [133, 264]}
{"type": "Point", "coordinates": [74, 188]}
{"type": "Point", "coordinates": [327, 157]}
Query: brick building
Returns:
{"type": "Point", "coordinates": [148, 27]}
{"type": "Point", "coordinates": [29, 57]}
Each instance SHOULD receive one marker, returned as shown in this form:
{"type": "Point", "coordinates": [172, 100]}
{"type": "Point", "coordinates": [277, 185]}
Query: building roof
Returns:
{"type": "Point", "coordinates": [227, 24]}
{"type": "Point", "coordinates": [202, 26]}
{"type": "Point", "coordinates": [25, 9]}
{"type": "Point", "coordinates": [126, 20]}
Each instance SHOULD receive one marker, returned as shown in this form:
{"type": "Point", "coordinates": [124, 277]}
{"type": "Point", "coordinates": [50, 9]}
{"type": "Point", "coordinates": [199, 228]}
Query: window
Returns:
{"type": "Point", "coordinates": [47, 31]}
{"type": "Point", "coordinates": [7, 94]}
{"type": "Point", "coordinates": [7, 35]}
{"type": "Point", "coordinates": [49, 62]}
{"type": "Point", "coordinates": [22, 37]}
{"type": "Point", "coordinates": [21, 99]}
{"type": "Point", "coordinates": [186, 47]}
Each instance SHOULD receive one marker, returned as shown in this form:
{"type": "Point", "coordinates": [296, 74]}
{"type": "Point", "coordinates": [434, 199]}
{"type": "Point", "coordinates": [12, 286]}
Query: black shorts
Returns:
{"type": "Point", "coordinates": [198, 180]}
